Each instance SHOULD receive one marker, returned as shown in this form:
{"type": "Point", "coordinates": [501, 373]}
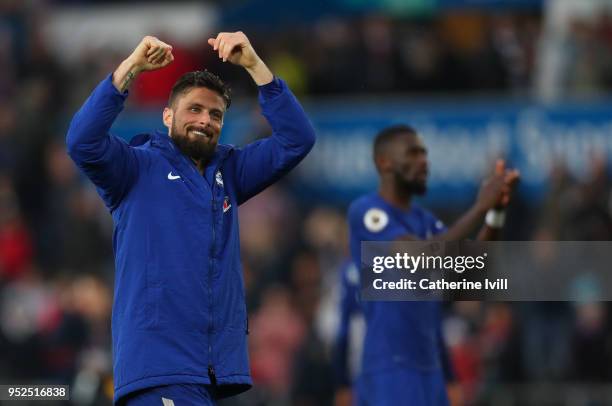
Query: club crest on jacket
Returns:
{"type": "Point", "coordinates": [219, 178]}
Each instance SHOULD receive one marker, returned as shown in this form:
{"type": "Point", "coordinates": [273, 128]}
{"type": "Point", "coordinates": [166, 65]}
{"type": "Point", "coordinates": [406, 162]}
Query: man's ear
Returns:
{"type": "Point", "coordinates": [383, 163]}
{"type": "Point", "coordinates": [167, 117]}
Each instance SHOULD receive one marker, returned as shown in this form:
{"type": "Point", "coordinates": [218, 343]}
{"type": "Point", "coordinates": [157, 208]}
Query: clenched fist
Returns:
{"type": "Point", "coordinates": [151, 54]}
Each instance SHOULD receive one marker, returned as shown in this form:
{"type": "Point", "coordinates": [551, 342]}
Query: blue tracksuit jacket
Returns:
{"type": "Point", "coordinates": [179, 313]}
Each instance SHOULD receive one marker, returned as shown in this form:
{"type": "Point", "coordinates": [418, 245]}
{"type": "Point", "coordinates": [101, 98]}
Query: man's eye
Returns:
{"type": "Point", "coordinates": [195, 109]}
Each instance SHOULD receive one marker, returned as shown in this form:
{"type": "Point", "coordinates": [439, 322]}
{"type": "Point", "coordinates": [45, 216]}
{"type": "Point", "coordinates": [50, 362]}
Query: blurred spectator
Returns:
{"type": "Point", "coordinates": [76, 233]}
{"type": "Point", "coordinates": [591, 343]}
{"type": "Point", "coordinates": [8, 124]}
{"type": "Point", "coordinates": [16, 251]}
{"type": "Point", "coordinates": [268, 224]}
{"type": "Point", "coordinates": [277, 330]}
{"type": "Point", "coordinates": [313, 358]}
{"type": "Point", "coordinates": [24, 305]}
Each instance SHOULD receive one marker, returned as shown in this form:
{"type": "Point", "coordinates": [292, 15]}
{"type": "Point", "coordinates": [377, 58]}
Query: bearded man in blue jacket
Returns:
{"type": "Point", "coordinates": [179, 317]}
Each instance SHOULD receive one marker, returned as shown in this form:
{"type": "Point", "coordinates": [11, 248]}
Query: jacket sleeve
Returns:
{"type": "Point", "coordinates": [348, 306]}
{"type": "Point", "coordinates": [263, 162]}
{"type": "Point", "coordinates": [107, 160]}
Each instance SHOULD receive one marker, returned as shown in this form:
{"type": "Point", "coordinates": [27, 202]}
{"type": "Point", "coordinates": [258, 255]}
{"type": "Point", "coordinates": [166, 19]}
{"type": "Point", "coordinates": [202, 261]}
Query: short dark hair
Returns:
{"type": "Point", "coordinates": [387, 135]}
{"type": "Point", "coordinates": [200, 78]}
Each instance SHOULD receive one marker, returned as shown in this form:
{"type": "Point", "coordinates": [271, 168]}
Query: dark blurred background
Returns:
{"type": "Point", "coordinates": [528, 80]}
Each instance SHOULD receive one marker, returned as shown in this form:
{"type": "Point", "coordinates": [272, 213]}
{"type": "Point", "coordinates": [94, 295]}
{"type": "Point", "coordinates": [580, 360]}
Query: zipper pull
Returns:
{"type": "Point", "coordinates": [211, 375]}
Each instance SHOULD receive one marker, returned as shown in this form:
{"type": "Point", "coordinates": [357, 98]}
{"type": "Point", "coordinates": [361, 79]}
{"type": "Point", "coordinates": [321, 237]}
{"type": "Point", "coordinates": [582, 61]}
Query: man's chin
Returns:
{"type": "Point", "coordinates": [422, 191]}
{"type": "Point", "coordinates": [416, 188]}
{"type": "Point", "coordinates": [419, 186]}
{"type": "Point", "coordinates": [200, 149]}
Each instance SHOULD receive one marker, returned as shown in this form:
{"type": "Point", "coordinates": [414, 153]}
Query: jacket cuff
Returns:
{"type": "Point", "coordinates": [271, 90]}
{"type": "Point", "coordinates": [109, 87]}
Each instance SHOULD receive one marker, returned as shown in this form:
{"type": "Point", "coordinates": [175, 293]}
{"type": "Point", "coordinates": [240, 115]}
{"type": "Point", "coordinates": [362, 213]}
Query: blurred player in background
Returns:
{"type": "Point", "coordinates": [179, 316]}
{"type": "Point", "coordinates": [404, 358]}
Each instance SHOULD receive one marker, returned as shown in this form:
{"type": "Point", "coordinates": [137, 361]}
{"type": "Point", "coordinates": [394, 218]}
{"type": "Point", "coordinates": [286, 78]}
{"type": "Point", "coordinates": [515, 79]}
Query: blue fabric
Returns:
{"type": "Point", "coordinates": [349, 307]}
{"type": "Point", "coordinates": [400, 336]}
{"type": "Point", "coordinates": [402, 387]}
{"type": "Point", "coordinates": [177, 395]}
{"type": "Point", "coordinates": [179, 309]}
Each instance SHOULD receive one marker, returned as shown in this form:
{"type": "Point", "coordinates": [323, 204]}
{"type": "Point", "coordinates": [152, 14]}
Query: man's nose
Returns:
{"type": "Point", "coordinates": [424, 160]}
{"type": "Point", "coordinates": [204, 118]}
{"type": "Point", "coordinates": [423, 163]}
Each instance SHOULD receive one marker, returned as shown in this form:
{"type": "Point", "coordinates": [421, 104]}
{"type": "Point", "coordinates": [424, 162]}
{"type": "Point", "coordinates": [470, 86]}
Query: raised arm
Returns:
{"type": "Point", "coordinates": [236, 48]}
{"type": "Point", "coordinates": [107, 160]}
{"type": "Point", "coordinates": [150, 54]}
{"type": "Point", "coordinates": [263, 162]}
{"type": "Point", "coordinates": [493, 198]}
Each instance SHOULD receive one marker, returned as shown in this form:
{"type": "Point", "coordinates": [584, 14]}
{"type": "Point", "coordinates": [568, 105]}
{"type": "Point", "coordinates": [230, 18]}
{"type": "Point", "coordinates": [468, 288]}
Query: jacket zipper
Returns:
{"type": "Point", "coordinates": [211, 368]}
{"type": "Point", "coordinates": [211, 375]}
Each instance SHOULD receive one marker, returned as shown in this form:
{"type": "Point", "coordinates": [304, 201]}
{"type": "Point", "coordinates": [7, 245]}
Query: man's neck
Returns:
{"type": "Point", "coordinates": [201, 164]}
{"type": "Point", "coordinates": [395, 195]}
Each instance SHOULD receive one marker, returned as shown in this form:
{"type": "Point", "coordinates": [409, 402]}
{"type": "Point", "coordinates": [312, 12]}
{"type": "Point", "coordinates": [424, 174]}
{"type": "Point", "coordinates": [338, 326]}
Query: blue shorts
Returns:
{"type": "Point", "coordinates": [402, 386]}
{"type": "Point", "coordinates": [171, 395]}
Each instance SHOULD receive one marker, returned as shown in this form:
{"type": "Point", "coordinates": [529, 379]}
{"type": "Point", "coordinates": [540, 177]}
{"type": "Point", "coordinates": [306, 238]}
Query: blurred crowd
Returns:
{"type": "Point", "coordinates": [56, 265]}
{"type": "Point", "coordinates": [588, 53]}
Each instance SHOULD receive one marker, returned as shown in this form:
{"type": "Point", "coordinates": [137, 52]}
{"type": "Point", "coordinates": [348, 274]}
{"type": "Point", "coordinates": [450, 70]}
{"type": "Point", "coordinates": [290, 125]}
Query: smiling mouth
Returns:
{"type": "Point", "coordinates": [201, 133]}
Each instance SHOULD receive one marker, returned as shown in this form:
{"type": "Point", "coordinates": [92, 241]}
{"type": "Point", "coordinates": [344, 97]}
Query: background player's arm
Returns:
{"type": "Point", "coordinates": [487, 197]}
{"type": "Point", "coordinates": [261, 163]}
{"type": "Point", "coordinates": [511, 179]}
{"type": "Point", "coordinates": [106, 160]}
{"type": "Point", "coordinates": [495, 193]}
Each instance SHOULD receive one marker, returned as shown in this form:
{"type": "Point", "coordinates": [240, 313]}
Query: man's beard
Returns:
{"type": "Point", "coordinates": [199, 148]}
{"type": "Point", "coordinates": [413, 187]}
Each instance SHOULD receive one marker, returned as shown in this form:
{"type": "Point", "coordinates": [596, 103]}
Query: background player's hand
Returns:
{"type": "Point", "coordinates": [151, 54]}
{"type": "Point", "coordinates": [236, 48]}
{"type": "Point", "coordinates": [493, 188]}
{"type": "Point", "coordinates": [511, 179]}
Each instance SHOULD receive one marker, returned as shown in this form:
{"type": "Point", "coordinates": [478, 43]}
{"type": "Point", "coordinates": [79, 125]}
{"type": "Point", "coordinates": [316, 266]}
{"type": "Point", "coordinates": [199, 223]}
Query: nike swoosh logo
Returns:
{"type": "Point", "coordinates": [173, 177]}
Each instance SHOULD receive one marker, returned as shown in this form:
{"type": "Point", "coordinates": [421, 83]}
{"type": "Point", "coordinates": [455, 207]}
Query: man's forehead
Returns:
{"type": "Point", "coordinates": [203, 96]}
{"type": "Point", "coordinates": [409, 139]}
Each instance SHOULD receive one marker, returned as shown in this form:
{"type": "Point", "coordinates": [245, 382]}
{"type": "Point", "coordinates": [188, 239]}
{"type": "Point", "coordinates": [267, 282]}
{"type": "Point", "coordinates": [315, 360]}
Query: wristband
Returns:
{"type": "Point", "coordinates": [495, 218]}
